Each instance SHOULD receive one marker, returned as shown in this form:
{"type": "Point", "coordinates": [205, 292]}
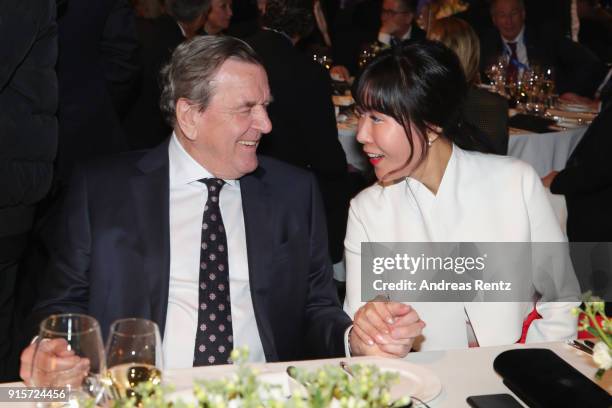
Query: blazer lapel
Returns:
{"type": "Point", "coordinates": [151, 195]}
{"type": "Point", "coordinates": [257, 208]}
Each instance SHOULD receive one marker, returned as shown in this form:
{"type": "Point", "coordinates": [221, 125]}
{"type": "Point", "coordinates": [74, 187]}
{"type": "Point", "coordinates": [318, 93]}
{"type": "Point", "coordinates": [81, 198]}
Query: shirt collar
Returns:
{"type": "Point", "coordinates": [408, 34]}
{"type": "Point", "coordinates": [184, 169]}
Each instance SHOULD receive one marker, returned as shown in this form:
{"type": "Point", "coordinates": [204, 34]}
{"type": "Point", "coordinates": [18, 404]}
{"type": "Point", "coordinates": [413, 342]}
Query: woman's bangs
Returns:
{"type": "Point", "coordinates": [376, 91]}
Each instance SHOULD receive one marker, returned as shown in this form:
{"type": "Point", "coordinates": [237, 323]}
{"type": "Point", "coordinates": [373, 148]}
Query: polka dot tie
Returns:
{"type": "Point", "coordinates": [214, 337]}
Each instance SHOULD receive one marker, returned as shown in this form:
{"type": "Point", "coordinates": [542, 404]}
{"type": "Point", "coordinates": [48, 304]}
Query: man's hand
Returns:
{"type": "Point", "coordinates": [549, 178]}
{"type": "Point", "coordinates": [339, 73]}
{"type": "Point", "coordinates": [385, 328]}
{"type": "Point", "coordinates": [56, 364]}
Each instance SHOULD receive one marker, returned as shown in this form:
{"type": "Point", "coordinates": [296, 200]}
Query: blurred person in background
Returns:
{"type": "Point", "coordinates": [219, 17]}
{"type": "Point", "coordinates": [529, 42]}
{"type": "Point", "coordinates": [304, 129]}
{"type": "Point", "coordinates": [98, 73]}
{"type": "Point", "coordinates": [144, 122]}
{"type": "Point", "coordinates": [595, 30]}
{"type": "Point", "coordinates": [483, 109]}
{"type": "Point", "coordinates": [28, 143]}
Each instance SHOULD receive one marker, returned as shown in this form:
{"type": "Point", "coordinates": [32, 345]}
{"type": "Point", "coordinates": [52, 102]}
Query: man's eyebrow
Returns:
{"type": "Point", "coordinates": [250, 104]}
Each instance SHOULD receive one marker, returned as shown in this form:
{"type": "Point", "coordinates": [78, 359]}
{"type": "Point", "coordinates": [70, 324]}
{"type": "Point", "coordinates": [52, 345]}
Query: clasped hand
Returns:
{"type": "Point", "coordinates": [385, 329]}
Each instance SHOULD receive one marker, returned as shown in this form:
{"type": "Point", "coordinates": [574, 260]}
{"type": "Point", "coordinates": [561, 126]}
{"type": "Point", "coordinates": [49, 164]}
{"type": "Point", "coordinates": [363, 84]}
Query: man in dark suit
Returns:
{"type": "Point", "coordinates": [98, 73]}
{"type": "Point", "coordinates": [586, 182]}
{"type": "Point", "coordinates": [28, 142]}
{"type": "Point", "coordinates": [576, 68]}
{"type": "Point", "coordinates": [217, 246]}
{"type": "Point", "coordinates": [144, 123]}
{"type": "Point", "coordinates": [304, 132]}
{"type": "Point", "coordinates": [375, 21]}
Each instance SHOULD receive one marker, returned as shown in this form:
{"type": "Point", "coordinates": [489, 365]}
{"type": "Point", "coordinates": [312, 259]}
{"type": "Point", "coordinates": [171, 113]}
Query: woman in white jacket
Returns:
{"type": "Point", "coordinates": [432, 187]}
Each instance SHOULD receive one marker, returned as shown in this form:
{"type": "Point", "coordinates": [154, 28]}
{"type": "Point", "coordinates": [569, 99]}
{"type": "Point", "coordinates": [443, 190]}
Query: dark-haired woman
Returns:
{"type": "Point", "coordinates": [431, 190]}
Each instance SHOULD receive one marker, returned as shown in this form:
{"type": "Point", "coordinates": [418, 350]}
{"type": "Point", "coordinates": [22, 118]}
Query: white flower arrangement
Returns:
{"type": "Point", "coordinates": [326, 387]}
{"type": "Point", "coordinates": [599, 325]}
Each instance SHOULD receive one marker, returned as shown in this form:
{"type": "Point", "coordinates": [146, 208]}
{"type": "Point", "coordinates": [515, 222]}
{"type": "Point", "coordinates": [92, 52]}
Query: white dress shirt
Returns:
{"type": "Point", "coordinates": [521, 50]}
{"type": "Point", "coordinates": [385, 38]}
{"type": "Point", "coordinates": [482, 198]}
{"type": "Point", "coordinates": [187, 199]}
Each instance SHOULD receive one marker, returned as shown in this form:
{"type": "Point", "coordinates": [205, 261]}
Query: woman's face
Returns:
{"type": "Point", "coordinates": [219, 16]}
{"type": "Point", "coordinates": [386, 144]}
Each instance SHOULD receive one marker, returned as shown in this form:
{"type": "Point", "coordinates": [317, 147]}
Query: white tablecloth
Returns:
{"type": "Point", "coordinates": [545, 151]}
{"type": "Point", "coordinates": [461, 372]}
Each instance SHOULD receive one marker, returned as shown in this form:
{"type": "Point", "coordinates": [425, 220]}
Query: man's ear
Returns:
{"type": "Point", "coordinates": [186, 118]}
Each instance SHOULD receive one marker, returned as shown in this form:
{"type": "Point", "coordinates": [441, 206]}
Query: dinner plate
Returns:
{"type": "Point", "coordinates": [573, 107]}
{"type": "Point", "coordinates": [414, 381]}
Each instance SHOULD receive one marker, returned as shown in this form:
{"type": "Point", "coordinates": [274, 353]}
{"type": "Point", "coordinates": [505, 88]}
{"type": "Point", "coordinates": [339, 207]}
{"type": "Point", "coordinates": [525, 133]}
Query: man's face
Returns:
{"type": "Point", "coordinates": [395, 18]}
{"type": "Point", "coordinates": [509, 17]}
{"type": "Point", "coordinates": [219, 16]}
{"type": "Point", "coordinates": [229, 129]}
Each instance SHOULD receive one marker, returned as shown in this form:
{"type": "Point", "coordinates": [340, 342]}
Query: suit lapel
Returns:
{"type": "Point", "coordinates": [257, 210]}
{"type": "Point", "coordinates": [151, 195]}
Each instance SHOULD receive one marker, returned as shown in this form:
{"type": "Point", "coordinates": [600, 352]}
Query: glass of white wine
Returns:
{"type": "Point", "coordinates": [133, 356]}
{"type": "Point", "coordinates": [69, 353]}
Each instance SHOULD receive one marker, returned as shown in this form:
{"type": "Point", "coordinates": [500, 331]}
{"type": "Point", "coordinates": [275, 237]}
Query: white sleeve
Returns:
{"type": "Point", "coordinates": [553, 273]}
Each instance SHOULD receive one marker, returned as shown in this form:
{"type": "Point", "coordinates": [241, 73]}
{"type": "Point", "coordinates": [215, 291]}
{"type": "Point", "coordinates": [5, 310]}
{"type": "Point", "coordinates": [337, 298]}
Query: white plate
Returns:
{"type": "Point", "coordinates": [573, 107]}
{"type": "Point", "coordinates": [415, 381]}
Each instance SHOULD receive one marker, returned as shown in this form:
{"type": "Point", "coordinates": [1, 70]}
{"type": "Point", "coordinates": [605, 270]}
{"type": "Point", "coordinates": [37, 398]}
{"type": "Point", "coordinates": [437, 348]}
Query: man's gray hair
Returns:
{"type": "Point", "coordinates": [193, 66]}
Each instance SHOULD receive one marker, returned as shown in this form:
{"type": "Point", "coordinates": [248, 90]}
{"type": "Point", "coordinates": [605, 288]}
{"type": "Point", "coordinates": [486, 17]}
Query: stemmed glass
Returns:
{"type": "Point", "coordinates": [496, 73]}
{"type": "Point", "coordinates": [548, 86]}
{"type": "Point", "coordinates": [69, 353]}
{"type": "Point", "coordinates": [134, 356]}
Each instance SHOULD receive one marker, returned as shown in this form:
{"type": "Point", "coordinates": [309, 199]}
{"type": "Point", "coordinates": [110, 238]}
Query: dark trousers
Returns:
{"type": "Point", "coordinates": [12, 248]}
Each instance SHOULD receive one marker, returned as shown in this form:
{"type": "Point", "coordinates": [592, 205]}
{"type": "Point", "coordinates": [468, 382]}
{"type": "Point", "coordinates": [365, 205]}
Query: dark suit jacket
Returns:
{"type": "Point", "coordinates": [576, 68]}
{"type": "Point", "coordinates": [28, 102]}
{"type": "Point", "coordinates": [357, 27]}
{"type": "Point", "coordinates": [98, 73]}
{"type": "Point", "coordinates": [144, 123]}
{"type": "Point", "coordinates": [489, 113]}
{"type": "Point", "coordinates": [304, 129]}
{"type": "Point", "coordinates": [110, 252]}
{"type": "Point", "coordinates": [586, 183]}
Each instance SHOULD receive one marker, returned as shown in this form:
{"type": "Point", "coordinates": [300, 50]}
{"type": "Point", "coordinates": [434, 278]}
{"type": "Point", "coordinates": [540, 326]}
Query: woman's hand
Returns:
{"type": "Point", "coordinates": [385, 328]}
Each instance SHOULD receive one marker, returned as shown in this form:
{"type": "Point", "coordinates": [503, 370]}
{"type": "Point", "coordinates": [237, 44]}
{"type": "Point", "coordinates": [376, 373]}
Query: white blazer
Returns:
{"type": "Point", "coordinates": [481, 198]}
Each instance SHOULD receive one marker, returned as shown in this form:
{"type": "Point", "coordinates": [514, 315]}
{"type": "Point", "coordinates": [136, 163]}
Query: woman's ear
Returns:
{"type": "Point", "coordinates": [186, 119]}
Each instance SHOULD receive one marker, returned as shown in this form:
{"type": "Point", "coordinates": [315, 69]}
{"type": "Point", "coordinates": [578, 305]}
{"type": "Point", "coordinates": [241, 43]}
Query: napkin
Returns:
{"type": "Point", "coordinates": [530, 123]}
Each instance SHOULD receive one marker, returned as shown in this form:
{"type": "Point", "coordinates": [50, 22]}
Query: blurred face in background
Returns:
{"type": "Point", "coordinates": [219, 16]}
{"type": "Point", "coordinates": [509, 17]}
{"type": "Point", "coordinates": [396, 19]}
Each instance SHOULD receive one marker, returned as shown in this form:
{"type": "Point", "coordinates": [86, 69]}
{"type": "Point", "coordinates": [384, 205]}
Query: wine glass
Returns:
{"type": "Point", "coordinates": [69, 353]}
{"type": "Point", "coordinates": [548, 86]}
{"type": "Point", "coordinates": [134, 356]}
